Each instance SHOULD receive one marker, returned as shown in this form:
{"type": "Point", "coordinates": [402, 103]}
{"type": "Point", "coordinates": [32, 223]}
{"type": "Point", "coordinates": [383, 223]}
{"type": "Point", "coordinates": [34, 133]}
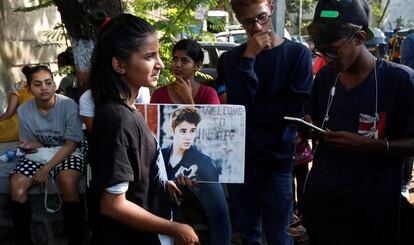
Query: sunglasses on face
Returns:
{"type": "Point", "coordinates": [31, 66]}
{"type": "Point", "coordinates": [262, 19]}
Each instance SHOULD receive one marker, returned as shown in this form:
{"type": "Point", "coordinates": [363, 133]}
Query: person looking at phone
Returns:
{"type": "Point", "coordinates": [365, 104]}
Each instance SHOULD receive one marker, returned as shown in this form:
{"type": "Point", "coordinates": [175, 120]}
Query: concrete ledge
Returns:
{"type": "Point", "coordinates": [5, 169]}
{"type": "Point", "coordinates": [46, 228]}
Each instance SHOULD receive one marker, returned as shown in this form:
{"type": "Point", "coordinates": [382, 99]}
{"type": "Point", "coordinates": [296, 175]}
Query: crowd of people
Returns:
{"type": "Point", "coordinates": [351, 195]}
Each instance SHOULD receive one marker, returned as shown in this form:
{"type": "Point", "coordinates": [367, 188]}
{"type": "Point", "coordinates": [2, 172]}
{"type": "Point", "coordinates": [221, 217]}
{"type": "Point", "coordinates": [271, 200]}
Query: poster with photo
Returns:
{"type": "Point", "coordinates": [205, 142]}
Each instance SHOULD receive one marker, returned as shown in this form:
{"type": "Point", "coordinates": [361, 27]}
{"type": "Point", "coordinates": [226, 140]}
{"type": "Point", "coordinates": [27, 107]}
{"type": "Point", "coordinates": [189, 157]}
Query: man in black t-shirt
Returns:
{"type": "Point", "coordinates": [352, 194]}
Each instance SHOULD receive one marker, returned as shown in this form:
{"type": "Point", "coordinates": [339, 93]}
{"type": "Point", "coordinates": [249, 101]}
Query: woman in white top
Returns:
{"type": "Point", "coordinates": [87, 106]}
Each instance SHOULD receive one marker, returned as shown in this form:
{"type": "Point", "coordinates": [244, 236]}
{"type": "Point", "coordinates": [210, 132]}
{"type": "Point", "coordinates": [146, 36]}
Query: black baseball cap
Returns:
{"type": "Point", "coordinates": [349, 11]}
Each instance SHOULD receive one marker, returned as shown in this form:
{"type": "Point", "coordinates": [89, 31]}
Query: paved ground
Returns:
{"type": "Point", "coordinates": [49, 228]}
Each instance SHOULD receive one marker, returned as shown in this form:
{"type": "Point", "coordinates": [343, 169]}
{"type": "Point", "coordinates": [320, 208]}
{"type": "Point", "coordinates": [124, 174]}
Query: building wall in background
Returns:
{"type": "Point", "coordinates": [22, 41]}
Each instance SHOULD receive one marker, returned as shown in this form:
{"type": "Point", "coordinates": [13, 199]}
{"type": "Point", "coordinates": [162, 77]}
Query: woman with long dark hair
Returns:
{"type": "Point", "coordinates": [127, 168]}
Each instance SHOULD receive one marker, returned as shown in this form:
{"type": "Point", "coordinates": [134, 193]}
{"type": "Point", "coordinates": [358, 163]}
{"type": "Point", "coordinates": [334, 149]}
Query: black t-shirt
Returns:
{"type": "Point", "coordinates": [353, 197]}
{"type": "Point", "coordinates": [194, 164]}
{"type": "Point", "coordinates": [124, 150]}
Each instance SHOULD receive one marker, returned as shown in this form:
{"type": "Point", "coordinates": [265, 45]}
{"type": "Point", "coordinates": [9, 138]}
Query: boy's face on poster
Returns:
{"type": "Point", "coordinates": [184, 135]}
{"type": "Point", "coordinates": [183, 65]}
{"type": "Point", "coordinates": [42, 86]}
{"type": "Point", "coordinates": [145, 65]}
{"type": "Point", "coordinates": [256, 17]}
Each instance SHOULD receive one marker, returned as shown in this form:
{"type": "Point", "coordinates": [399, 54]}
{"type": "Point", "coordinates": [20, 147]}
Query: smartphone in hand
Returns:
{"type": "Point", "coordinates": [303, 123]}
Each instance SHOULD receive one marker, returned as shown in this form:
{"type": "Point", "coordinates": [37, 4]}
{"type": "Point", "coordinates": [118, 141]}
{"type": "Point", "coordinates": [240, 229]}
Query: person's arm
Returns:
{"type": "Point", "coordinates": [300, 87]}
{"type": "Point", "coordinates": [88, 121]}
{"type": "Point", "coordinates": [12, 104]}
{"type": "Point", "coordinates": [40, 177]}
{"type": "Point", "coordinates": [28, 141]}
{"type": "Point", "coordinates": [355, 142]}
{"type": "Point", "coordinates": [245, 85]}
{"type": "Point", "coordinates": [117, 207]}
{"type": "Point", "coordinates": [87, 109]}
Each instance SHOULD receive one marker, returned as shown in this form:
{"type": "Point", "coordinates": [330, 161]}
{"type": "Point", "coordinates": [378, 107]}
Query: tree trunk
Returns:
{"type": "Point", "coordinates": [383, 13]}
{"type": "Point", "coordinates": [82, 33]}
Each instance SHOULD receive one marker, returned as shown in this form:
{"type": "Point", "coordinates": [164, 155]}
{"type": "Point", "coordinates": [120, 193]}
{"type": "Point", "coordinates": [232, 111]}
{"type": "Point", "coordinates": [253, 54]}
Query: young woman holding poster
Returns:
{"type": "Point", "coordinates": [127, 168]}
{"type": "Point", "coordinates": [183, 159]}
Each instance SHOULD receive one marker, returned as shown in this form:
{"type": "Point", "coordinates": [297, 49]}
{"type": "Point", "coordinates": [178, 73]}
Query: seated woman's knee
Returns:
{"type": "Point", "coordinates": [19, 184]}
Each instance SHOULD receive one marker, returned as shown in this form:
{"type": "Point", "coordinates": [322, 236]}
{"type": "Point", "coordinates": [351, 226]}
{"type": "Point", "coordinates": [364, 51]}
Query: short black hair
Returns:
{"type": "Point", "coordinates": [66, 58]}
{"type": "Point", "coordinates": [26, 71]}
{"type": "Point", "coordinates": [239, 5]}
{"type": "Point", "coordinates": [192, 47]}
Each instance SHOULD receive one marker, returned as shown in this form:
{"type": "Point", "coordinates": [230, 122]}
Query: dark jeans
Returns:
{"type": "Point", "coordinates": [299, 172]}
{"type": "Point", "coordinates": [213, 200]}
{"type": "Point", "coordinates": [264, 198]}
{"type": "Point", "coordinates": [206, 203]}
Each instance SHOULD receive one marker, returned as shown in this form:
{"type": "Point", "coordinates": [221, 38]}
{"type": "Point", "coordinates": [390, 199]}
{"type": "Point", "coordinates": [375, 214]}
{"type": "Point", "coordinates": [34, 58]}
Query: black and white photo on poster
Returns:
{"type": "Point", "coordinates": [204, 142]}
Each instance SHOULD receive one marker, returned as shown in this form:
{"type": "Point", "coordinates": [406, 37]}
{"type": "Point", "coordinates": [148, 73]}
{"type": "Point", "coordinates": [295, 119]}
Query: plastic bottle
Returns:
{"type": "Point", "coordinates": [7, 156]}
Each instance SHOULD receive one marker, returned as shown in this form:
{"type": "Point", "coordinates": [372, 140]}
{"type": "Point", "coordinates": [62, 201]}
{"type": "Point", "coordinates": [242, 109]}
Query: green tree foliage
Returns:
{"type": "Point", "coordinates": [292, 6]}
{"type": "Point", "coordinates": [174, 20]}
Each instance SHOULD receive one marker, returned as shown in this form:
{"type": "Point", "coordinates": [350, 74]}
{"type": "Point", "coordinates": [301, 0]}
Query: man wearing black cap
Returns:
{"type": "Point", "coordinates": [366, 105]}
